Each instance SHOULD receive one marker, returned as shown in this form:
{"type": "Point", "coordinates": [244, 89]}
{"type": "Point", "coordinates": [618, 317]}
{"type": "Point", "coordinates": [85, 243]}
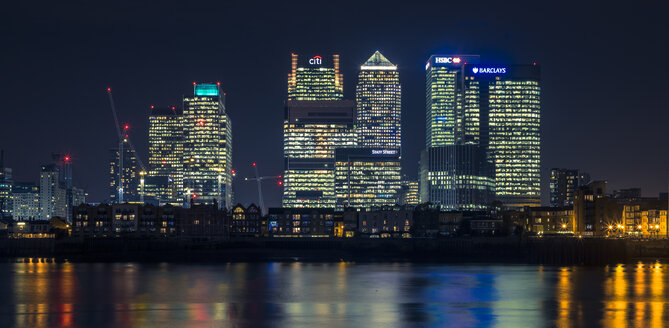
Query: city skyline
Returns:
{"type": "Point", "coordinates": [575, 111]}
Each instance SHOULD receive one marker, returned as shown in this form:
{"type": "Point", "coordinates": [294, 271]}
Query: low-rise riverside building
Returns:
{"type": "Point", "coordinates": [549, 220]}
{"type": "Point", "coordinates": [30, 229]}
{"type": "Point", "coordinates": [383, 222]}
{"type": "Point", "coordinates": [246, 221]}
{"type": "Point", "coordinates": [304, 222]}
{"type": "Point", "coordinates": [137, 220]}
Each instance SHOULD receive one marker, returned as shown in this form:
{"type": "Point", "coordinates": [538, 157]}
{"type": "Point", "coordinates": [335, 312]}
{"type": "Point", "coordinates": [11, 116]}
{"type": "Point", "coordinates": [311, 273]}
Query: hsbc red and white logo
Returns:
{"type": "Point", "coordinates": [447, 60]}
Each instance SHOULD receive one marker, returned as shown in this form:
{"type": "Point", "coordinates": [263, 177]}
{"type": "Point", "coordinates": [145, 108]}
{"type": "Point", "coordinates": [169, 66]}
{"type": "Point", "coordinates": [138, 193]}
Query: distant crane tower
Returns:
{"type": "Point", "coordinates": [121, 140]}
{"type": "Point", "coordinates": [258, 179]}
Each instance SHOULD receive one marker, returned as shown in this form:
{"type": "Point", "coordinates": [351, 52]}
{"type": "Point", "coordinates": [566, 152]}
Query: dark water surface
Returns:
{"type": "Point", "coordinates": [331, 295]}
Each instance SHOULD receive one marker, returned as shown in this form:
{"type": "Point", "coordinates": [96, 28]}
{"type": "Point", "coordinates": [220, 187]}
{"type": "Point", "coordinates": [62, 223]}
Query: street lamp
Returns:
{"type": "Point", "coordinates": [141, 183]}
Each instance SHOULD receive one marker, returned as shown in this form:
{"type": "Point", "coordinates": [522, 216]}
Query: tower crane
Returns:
{"type": "Point", "coordinates": [259, 179]}
{"type": "Point", "coordinates": [123, 137]}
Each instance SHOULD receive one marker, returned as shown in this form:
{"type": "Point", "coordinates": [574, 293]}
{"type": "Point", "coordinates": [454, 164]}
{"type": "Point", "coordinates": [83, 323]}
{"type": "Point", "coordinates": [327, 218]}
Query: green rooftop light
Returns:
{"type": "Point", "coordinates": [206, 90]}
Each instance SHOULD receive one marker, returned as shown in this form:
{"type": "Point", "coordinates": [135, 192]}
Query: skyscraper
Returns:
{"type": "Point", "coordinates": [563, 184]}
{"type": "Point", "coordinates": [129, 175]}
{"type": "Point", "coordinates": [378, 95]}
{"type": "Point", "coordinates": [445, 99]}
{"type": "Point", "coordinates": [366, 178]}
{"type": "Point", "coordinates": [512, 95]}
{"type": "Point", "coordinates": [455, 170]}
{"type": "Point", "coordinates": [166, 155]}
{"type": "Point", "coordinates": [207, 146]}
{"type": "Point", "coordinates": [312, 131]}
{"type": "Point", "coordinates": [53, 195]}
{"type": "Point", "coordinates": [315, 79]}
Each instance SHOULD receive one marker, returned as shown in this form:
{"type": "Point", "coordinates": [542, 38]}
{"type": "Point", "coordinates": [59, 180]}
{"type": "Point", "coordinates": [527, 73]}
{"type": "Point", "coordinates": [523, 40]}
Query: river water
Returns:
{"type": "Point", "coordinates": [331, 295]}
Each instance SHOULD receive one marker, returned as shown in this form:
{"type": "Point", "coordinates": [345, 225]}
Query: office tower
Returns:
{"type": "Point", "coordinates": [312, 131]}
{"type": "Point", "coordinates": [510, 100]}
{"type": "Point", "coordinates": [366, 178]}
{"type": "Point", "coordinates": [455, 170]}
{"type": "Point", "coordinates": [53, 195]}
{"type": "Point", "coordinates": [166, 155]}
{"type": "Point", "coordinates": [207, 146]}
{"type": "Point", "coordinates": [563, 184]}
{"type": "Point", "coordinates": [5, 187]}
{"type": "Point", "coordinates": [129, 177]}
{"type": "Point", "coordinates": [26, 201]}
{"type": "Point", "coordinates": [378, 95]}
{"type": "Point", "coordinates": [445, 99]}
{"type": "Point", "coordinates": [457, 177]}
{"type": "Point", "coordinates": [315, 79]}
{"type": "Point", "coordinates": [409, 193]}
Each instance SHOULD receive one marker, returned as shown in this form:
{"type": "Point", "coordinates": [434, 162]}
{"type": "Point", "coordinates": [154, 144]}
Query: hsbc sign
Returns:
{"type": "Point", "coordinates": [447, 60]}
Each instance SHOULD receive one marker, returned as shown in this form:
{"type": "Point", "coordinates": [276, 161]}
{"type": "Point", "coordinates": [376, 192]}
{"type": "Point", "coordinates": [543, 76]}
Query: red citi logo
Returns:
{"type": "Point", "coordinates": [317, 60]}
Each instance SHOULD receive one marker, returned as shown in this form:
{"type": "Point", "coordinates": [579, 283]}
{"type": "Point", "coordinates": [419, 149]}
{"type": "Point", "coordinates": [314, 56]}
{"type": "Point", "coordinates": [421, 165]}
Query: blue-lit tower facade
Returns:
{"type": "Point", "coordinates": [456, 172]}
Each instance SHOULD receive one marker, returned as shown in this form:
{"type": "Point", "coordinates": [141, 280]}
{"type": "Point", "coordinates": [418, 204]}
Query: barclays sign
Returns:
{"type": "Point", "coordinates": [489, 70]}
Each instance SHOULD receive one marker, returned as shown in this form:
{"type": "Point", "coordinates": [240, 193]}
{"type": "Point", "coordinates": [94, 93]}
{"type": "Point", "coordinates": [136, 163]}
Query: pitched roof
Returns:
{"type": "Point", "coordinates": [378, 61]}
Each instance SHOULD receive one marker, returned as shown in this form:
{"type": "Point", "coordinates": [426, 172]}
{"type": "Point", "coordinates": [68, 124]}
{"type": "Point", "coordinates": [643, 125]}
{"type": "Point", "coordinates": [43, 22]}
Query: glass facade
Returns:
{"type": "Point", "coordinates": [366, 178]}
{"type": "Point", "coordinates": [379, 102]}
{"type": "Point", "coordinates": [445, 99]}
{"type": "Point", "coordinates": [312, 131]}
{"type": "Point", "coordinates": [166, 155]}
{"type": "Point", "coordinates": [129, 176]}
{"type": "Point", "coordinates": [313, 80]}
{"type": "Point", "coordinates": [207, 148]}
{"type": "Point", "coordinates": [515, 139]}
{"type": "Point", "coordinates": [494, 107]}
{"type": "Point", "coordinates": [457, 177]}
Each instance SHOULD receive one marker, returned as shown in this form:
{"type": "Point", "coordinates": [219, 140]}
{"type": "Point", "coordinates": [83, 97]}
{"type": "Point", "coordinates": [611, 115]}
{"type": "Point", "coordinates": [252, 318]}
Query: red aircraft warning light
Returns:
{"type": "Point", "coordinates": [254, 164]}
{"type": "Point", "coordinates": [67, 158]}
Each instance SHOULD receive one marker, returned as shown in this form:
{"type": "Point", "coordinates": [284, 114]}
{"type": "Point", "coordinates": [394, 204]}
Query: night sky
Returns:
{"type": "Point", "coordinates": [604, 89]}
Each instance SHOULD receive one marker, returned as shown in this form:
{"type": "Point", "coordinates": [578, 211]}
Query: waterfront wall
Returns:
{"type": "Point", "coordinates": [548, 251]}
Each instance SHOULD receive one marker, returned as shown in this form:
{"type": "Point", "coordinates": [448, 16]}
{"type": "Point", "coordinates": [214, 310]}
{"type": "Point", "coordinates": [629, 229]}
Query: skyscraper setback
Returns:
{"type": "Point", "coordinates": [207, 146]}
{"type": "Point", "coordinates": [312, 131]}
{"type": "Point", "coordinates": [379, 102]}
{"type": "Point", "coordinates": [315, 79]}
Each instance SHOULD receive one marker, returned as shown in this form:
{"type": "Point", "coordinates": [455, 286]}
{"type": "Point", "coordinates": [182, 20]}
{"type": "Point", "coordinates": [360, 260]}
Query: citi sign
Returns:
{"type": "Point", "coordinates": [489, 70]}
{"type": "Point", "coordinates": [317, 60]}
{"type": "Point", "coordinates": [447, 60]}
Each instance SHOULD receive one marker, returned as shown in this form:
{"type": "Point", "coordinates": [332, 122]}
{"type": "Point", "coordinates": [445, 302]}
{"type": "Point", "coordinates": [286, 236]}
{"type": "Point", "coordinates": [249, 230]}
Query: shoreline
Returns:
{"type": "Point", "coordinates": [511, 250]}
